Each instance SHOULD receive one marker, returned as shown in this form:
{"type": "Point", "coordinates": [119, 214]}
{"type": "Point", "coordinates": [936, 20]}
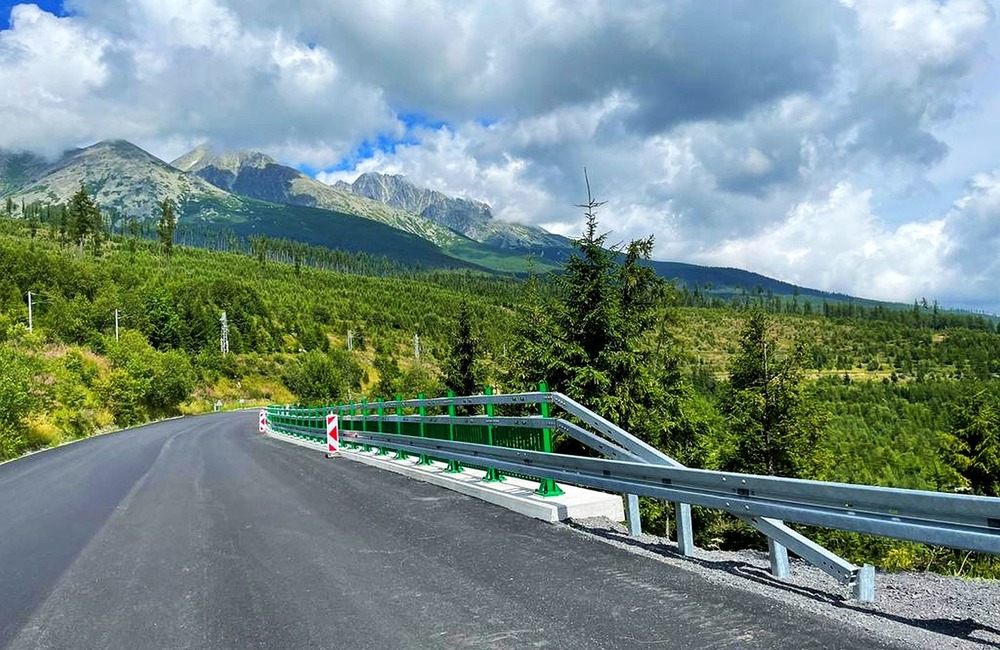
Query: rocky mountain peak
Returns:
{"type": "Point", "coordinates": [120, 175]}
{"type": "Point", "coordinates": [206, 155]}
{"type": "Point", "coordinates": [472, 218]}
{"type": "Point", "coordinates": [117, 149]}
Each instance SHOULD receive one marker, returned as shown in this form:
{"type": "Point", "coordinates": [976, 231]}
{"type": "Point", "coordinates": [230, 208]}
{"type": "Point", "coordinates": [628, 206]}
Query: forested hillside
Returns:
{"type": "Point", "coordinates": [906, 398]}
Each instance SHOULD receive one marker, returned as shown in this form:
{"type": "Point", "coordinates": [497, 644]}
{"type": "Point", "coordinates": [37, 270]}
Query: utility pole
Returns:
{"type": "Point", "coordinates": [350, 340]}
{"type": "Point", "coordinates": [30, 324]}
{"type": "Point", "coordinates": [224, 340]}
{"type": "Point", "coordinates": [416, 346]}
{"type": "Point", "coordinates": [116, 324]}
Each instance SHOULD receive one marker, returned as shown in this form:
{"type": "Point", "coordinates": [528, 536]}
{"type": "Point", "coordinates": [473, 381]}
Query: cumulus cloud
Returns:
{"type": "Point", "coordinates": [165, 74]}
{"type": "Point", "coordinates": [49, 66]}
{"type": "Point", "coordinates": [973, 227]}
{"type": "Point", "coordinates": [837, 243]}
{"type": "Point", "coordinates": [722, 129]}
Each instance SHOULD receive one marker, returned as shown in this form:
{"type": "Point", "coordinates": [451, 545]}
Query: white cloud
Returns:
{"type": "Point", "coordinates": [838, 244]}
{"type": "Point", "coordinates": [973, 225]}
{"type": "Point", "coordinates": [697, 125]}
{"type": "Point", "coordinates": [49, 67]}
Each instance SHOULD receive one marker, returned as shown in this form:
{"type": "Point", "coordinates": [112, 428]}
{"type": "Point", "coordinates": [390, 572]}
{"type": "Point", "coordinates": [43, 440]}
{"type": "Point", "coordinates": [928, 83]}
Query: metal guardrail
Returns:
{"type": "Point", "coordinates": [957, 521]}
{"type": "Point", "coordinates": [635, 468]}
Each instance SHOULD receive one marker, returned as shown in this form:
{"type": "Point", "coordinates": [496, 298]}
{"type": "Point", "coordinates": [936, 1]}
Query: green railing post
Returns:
{"type": "Point", "coordinates": [339, 410]}
{"type": "Point", "coordinates": [454, 467]}
{"type": "Point", "coordinates": [492, 473]}
{"type": "Point", "coordinates": [548, 487]}
{"type": "Point", "coordinates": [422, 410]}
{"type": "Point", "coordinates": [400, 453]}
{"type": "Point", "coordinates": [336, 409]}
{"type": "Point", "coordinates": [364, 423]}
{"type": "Point", "coordinates": [380, 450]}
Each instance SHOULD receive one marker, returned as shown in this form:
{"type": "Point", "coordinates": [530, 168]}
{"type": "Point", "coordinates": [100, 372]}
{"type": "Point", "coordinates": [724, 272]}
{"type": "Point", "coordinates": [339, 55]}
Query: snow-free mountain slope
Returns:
{"type": "Point", "coordinates": [474, 219]}
{"type": "Point", "coordinates": [255, 175]}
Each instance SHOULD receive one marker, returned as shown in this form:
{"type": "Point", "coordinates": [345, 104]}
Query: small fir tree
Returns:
{"type": "Point", "coordinates": [166, 226]}
{"type": "Point", "coordinates": [774, 428]}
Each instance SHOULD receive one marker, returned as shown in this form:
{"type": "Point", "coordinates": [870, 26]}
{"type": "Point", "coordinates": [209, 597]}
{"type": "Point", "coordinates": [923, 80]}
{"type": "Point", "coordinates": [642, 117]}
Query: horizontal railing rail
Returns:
{"type": "Point", "coordinates": [957, 521]}
{"type": "Point", "coordinates": [521, 445]}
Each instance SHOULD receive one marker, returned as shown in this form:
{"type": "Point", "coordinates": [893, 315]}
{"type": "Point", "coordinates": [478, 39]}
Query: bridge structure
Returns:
{"type": "Point", "coordinates": [512, 434]}
{"type": "Point", "coordinates": [198, 532]}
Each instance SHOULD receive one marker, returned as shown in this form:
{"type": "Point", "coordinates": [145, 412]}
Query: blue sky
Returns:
{"type": "Point", "coordinates": [857, 153]}
{"type": "Point", "coordinates": [47, 5]}
{"type": "Point", "coordinates": [410, 124]}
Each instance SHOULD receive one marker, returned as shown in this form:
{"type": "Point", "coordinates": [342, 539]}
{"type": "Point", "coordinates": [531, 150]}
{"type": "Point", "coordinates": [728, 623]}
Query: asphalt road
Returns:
{"type": "Point", "coordinates": [199, 533]}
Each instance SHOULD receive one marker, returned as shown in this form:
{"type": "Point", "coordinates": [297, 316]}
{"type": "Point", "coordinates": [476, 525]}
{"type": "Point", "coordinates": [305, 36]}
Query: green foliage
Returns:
{"type": "Point", "coordinates": [774, 428]}
{"type": "Point", "coordinates": [462, 373]}
{"type": "Point", "coordinates": [17, 400]}
{"type": "Point", "coordinates": [903, 417]}
{"type": "Point", "coordinates": [144, 383]}
{"type": "Point", "coordinates": [975, 437]}
{"type": "Point", "coordinates": [536, 341]}
{"type": "Point", "coordinates": [84, 218]}
{"type": "Point", "coordinates": [593, 341]}
{"type": "Point", "coordinates": [420, 379]}
{"type": "Point", "coordinates": [166, 226]}
{"type": "Point", "coordinates": [389, 374]}
{"type": "Point", "coordinates": [319, 378]}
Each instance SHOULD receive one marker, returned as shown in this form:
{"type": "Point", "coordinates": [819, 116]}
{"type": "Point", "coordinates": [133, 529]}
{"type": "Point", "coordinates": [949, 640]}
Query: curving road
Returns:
{"type": "Point", "coordinates": [199, 533]}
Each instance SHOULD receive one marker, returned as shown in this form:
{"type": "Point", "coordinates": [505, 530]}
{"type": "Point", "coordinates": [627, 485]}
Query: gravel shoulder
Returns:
{"type": "Point", "coordinates": [921, 610]}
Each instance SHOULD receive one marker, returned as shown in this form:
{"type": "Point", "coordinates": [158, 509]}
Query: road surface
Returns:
{"type": "Point", "coordinates": [199, 533]}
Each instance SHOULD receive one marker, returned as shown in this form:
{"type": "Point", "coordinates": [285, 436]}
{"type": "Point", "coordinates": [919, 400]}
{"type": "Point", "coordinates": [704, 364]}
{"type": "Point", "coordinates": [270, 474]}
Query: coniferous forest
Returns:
{"type": "Point", "coordinates": [902, 397]}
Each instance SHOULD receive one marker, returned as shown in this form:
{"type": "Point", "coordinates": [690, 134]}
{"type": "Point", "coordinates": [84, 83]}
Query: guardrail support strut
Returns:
{"type": "Point", "coordinates": [685, 531]}
{"type": "Point", "coordinates": [632, 515]}
{"type": "Point", "coordinates": [778, 555]}
{"type": "Point", "coordinates": [864, 587]}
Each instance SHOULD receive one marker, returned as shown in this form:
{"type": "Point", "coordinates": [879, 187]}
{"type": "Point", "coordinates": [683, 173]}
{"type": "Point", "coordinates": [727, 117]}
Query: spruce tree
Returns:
{"type": "Point", "coordinates": [63, 224]}
{"type": "Point", "coordinates": [83, 215]}
{"type": "Point", "coordinates": [461, 373]}
{"type": "Point", "coordinates": [594, 342]}
{"type": "Point", "coordinates": [774, 428]}
{"type": "Point", "coordinates": [166, 226]}
{"type": "Point", "coordinates": [975, 437]}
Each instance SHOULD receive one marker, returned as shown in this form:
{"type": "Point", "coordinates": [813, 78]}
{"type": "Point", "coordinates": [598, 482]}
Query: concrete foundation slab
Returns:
{"type": "Point", "coordinates": [514, 494]}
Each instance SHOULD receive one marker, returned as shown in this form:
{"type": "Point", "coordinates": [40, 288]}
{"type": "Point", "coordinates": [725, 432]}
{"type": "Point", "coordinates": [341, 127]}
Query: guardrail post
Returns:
{"type": "Point", "coordinates": [632, 515]}
{"type": "Point", "coordinates": [346, 444]}
{"type": "Point", "coordinates": [364, 423]}
{"type": "Point", "coordinates": [864, 587]}
{"type": "Point", "coordinates": [342, 412]}
{"type": "Point", "coordinates": [548, 487]}
{"type": "Point", "coordinates": [492, 473]}
{"type": "Point", "coordinates": [379, 412]}
{"type": "Point", "coordinates": [454, 467]}
{"type": "Point", "coordinates": [685, 531]}
{"type": "Point", "coordinates": [422, 411]}
{"type": "Point", "coordinates": [778, 555]}
{"type": "Point", "coordinates": [400, 453]}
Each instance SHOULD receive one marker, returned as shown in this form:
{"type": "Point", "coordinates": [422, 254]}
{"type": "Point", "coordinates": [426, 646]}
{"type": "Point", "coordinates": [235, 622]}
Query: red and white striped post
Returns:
{"type": "Point", "coordinates": [263, 421]}
{"type": "Point", "coordinates": [332, 436]}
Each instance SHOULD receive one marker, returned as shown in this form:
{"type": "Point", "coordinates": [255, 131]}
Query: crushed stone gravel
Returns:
{"type": "Point", "coordinates": [921, 610]}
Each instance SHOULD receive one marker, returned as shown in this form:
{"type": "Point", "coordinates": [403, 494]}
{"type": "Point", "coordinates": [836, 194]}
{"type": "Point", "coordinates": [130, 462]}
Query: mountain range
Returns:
{"type": "Point", "coordinates": [250, 193]}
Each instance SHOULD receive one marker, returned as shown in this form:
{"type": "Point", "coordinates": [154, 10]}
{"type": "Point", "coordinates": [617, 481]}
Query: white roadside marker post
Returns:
{"type": "Point", "coordinates": [332, 436]}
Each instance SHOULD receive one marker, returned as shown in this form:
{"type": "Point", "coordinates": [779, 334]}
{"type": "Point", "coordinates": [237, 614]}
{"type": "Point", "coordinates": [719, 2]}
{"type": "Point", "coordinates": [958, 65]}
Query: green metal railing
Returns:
{"type": "Point", "coordinates": [303, 423]}
{"type": "Point", "coordinates": [459, 419]}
